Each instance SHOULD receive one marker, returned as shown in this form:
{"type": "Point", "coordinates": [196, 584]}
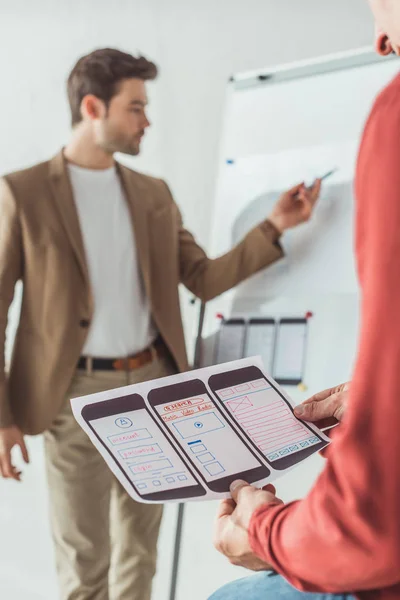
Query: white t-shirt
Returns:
{"type": "Point", "coordinates": [122, 323]}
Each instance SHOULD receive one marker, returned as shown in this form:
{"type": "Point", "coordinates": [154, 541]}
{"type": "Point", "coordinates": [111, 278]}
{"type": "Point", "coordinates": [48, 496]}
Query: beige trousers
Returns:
{"type": "Point", "coordinates": [105, 542]}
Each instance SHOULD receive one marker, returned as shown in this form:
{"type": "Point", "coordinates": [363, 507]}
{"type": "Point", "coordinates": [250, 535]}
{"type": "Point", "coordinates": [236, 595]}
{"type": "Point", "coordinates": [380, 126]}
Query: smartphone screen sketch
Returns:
{"type": "Point", "coordinates": [230, 340]}
{"type": "Point", "coordinates": [265, 417]}
{"type": "Point", "coordinates": [260, 341]}
{"type": "Point", "coordinates": [290, 353]}
{"type": "Point", "coordinates": [133, 438]}
{"type": "Point", "coordinates": [199, 426]}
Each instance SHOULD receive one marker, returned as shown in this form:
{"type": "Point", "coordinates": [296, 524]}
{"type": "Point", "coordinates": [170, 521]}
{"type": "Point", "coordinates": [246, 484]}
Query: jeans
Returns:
{"type": "Point", "coordinates": [269, 586]}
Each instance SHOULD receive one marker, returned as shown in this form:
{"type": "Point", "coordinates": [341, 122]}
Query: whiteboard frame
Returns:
{"type": "Point", "coordinates": [327, 63]}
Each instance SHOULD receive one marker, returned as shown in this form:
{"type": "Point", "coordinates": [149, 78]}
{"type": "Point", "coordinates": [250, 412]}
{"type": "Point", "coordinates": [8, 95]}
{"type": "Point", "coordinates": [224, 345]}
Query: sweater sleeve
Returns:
{"type": "Point", "coordinates": [345, 535]}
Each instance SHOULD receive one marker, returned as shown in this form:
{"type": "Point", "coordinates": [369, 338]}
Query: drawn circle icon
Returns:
{"type": "Point", "coordinates": [198, 425]}
{"type": "Point", "coordinates": [123, 422]}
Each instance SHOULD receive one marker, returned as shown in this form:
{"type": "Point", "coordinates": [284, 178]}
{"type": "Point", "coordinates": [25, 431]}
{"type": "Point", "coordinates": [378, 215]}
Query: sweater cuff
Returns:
{"type": "Point", "coordinates": [259, 529]}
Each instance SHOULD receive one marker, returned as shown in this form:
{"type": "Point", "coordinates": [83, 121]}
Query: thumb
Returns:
{"type": "Point", "coordinates": [313, 411]}
{"type": "Point", "coordinates": [236, 488]}
{"type": "Point", "coordinates": [296, 189]}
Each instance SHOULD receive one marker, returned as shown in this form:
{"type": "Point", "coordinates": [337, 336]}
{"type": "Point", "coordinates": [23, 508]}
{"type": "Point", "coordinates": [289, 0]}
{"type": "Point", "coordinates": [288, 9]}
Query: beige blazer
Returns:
{"type": "Point", "coordinates": [41, 244]}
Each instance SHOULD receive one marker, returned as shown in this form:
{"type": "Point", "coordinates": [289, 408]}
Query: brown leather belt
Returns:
{"type": "Point", "coordinates": [130, 363]}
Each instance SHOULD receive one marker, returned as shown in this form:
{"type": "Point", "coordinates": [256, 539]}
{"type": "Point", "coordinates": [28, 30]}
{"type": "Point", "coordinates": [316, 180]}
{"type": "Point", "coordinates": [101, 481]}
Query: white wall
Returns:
{"type": "Point", "coordinates": [197, 45]}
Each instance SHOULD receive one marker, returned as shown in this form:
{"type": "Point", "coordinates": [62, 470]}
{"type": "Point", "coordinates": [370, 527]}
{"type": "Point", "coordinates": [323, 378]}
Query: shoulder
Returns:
{"type": "Point", "coordinates": [386, 108]}
{"type": "Point", "coordinates": [22, 182]}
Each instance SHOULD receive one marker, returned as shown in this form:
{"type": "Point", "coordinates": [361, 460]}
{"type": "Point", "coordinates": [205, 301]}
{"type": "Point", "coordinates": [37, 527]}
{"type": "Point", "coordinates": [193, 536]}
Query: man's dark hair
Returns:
{"type": "Point", "coordinates": [100, 73]}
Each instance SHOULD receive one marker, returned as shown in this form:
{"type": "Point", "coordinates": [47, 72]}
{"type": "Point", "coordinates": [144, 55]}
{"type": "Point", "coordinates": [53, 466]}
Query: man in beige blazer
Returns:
{"type": "Point", "coordinates": [101, 251]}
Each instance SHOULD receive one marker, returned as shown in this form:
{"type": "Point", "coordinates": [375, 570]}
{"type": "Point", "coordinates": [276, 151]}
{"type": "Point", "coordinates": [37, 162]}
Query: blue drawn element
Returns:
{"type": "Point", "coordinates": [230, 161]}
{"type": "Point", "coordinates": [198, 448]}
{"type": "Point", "coordinates": [188, 427]}
{"type": "Point", "coordinates": [214, 468]}
{"type": "Point", "coordinates": [273, 456]}
{"type": "Point", "coordinates": [170, 479]}
{"type": "Point", "coordinates": [303, 444]}
{"type": "Point", "coordinates": [141, 486]}
{"type": "Point", "coordinates": [123, 422]}
{"type": "Point", "coordinates": [283, 452]}
{"type": "Point", "coordinates": [156, 483]}
{"type": "Point", "coordinates": [313, 440]}
{"type": "Point", "coordinates": [195, 442]}
{"type": "Point", "coordinates": [293, 448]}
{"type": "Point", "coordinates": [182, 477]}
{"type": "Point", "coordinates": [205, 458]}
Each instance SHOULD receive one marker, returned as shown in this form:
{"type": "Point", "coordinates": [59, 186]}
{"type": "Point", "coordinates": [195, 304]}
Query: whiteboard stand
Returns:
{"type": "Point", "coordinates": [181, 506]}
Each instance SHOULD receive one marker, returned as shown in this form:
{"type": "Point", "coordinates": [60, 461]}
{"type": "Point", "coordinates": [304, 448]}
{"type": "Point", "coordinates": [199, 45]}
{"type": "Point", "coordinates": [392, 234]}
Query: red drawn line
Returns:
{"type": "Point", "coordinates": [268, 429]}
{"type": "Point", "coordinates": [258, 384]}
{"type": "Point", "coordinates": [255, 430]}
{"type": "Point", "coordinates": [278, 418]}
{"type": "Point", "coordinates": [273, 438]}
{"type": "Point", "coordinates": [189, 406]}
{"type": "Point", "coordinates": [268, 426]}
{"type": "Point", "coordinates": [288, 435]}
{"type": "Point", "coordinates": [266, 412]}
{"type": "Point", "coordinates": [271, 407]}
{"type": "Point", "coordinates": [270, 438]}
{"type": "Point", "coordinates": [279, 442]}
{"type": "Point", "coordinates": [272, 434]}
{"type": "Point", "coordinates": [265, 409]}
{"type": "Point", "coordinates": [225, 393]}
{"type": "Point", "coordinates": [281, 415]}
{"type": "Point", "coordinates": [242, 388]}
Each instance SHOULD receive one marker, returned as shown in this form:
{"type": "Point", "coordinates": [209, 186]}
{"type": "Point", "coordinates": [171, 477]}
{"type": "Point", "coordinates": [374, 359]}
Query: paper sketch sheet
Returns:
{"type": "Point", "coordinates": [188, 436]}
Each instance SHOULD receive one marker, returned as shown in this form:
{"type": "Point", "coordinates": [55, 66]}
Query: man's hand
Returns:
{"type": "Point", "coordinates": [326, 408]}
{"type": "Point", "coordinates": [231, 536]}
{"type": "Point", "coordinates": [10, 437]}
{"type": "Point", "coordinates": [295, 206]}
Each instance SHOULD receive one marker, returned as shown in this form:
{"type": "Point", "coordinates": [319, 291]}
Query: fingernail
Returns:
{"type": "Point", "coordinates": [236, 484]}
{"type": "Point", "coordinates": [299, 410]}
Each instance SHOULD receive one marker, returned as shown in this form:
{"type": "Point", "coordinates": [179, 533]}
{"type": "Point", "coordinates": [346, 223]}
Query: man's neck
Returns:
{"type": "Point", "coordinates": [83, 152]}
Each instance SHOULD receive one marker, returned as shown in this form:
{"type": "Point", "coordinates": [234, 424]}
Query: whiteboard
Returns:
{"type": "Point", "coordinates": [283, 126]}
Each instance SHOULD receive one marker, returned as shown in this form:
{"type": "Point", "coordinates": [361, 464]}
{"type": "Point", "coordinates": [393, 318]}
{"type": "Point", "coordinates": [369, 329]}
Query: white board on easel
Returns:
{"type": "Point", "coordinates": [283, 126]}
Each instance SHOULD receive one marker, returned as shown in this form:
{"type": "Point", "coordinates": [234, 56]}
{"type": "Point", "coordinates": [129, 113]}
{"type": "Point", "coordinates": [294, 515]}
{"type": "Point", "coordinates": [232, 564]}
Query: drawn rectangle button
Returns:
{"type": "Point", "coordinates": [131, 436]}
{"type": "Point", "coordinates": [198, 448]}
{"type": "Point", "coordinates": [204, 458]}
{"type": "Point", "coordinates": [149, 466]}
{"type": "Point", "coordinates": [214, 468]}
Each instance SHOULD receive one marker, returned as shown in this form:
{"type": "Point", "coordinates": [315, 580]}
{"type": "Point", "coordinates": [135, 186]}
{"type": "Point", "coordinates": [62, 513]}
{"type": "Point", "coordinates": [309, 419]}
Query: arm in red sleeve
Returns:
{"type": "Point", "coordinates": [345, 535]}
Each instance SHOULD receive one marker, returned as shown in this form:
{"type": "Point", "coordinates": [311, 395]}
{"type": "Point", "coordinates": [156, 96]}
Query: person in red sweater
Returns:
{"type": "Point", "coordinates": [343, 539]}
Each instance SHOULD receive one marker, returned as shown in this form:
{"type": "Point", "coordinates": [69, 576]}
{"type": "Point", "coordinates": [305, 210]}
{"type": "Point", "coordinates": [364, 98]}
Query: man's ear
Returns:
{"type": "Point", "coordinates": [92, 107]}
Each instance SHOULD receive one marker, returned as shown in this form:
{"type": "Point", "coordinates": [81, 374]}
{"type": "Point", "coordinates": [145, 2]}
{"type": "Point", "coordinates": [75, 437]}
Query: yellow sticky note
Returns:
{"type": "Point", "coordinates": [302, 387]}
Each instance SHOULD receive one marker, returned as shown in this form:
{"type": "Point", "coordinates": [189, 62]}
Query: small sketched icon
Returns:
{"type": "Point", "coordinates": [198, 425]}
{"type": "Point", "coordinates": [123, 422]}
